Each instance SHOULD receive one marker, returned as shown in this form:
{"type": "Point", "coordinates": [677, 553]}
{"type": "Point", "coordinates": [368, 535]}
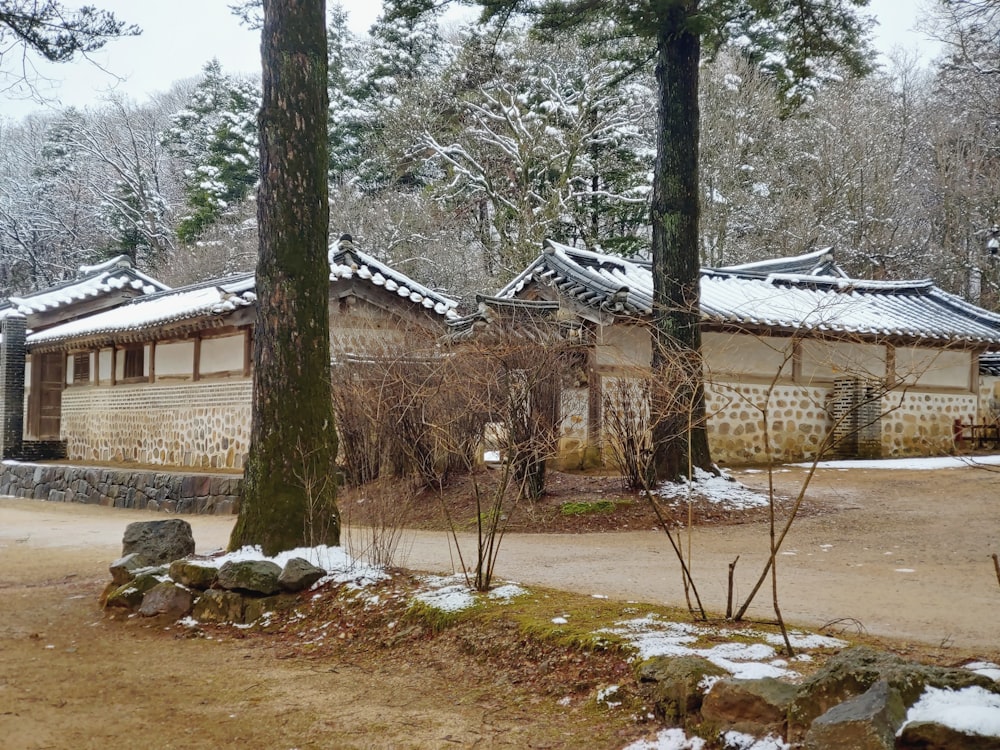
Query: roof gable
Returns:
{"type": "Point", "coordinates": [346, 262]}
{"type": "Point", "coordinates": [95, 287]}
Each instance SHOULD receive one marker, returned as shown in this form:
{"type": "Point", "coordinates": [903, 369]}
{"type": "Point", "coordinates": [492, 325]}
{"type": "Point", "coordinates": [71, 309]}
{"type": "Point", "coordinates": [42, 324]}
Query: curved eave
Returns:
{"type": "Point", "coordinates": [167, 330]}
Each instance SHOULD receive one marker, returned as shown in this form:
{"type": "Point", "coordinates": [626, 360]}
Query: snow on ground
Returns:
{"type": "Point", "coordinates": [911, 464]}
{"type": "Point", "coordinates": [722, 491]}
{"type": "Point", "coordinates": [972, 710]}
{"type": "Point", "coordinates": [653, 636]}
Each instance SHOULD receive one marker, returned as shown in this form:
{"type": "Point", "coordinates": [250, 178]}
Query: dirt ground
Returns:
{"type": "Point", "coordinates": [904, 554]}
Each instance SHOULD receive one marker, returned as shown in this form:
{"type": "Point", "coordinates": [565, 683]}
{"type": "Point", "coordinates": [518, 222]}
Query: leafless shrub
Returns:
{"type": "Point", "coordinates": [377, 538]}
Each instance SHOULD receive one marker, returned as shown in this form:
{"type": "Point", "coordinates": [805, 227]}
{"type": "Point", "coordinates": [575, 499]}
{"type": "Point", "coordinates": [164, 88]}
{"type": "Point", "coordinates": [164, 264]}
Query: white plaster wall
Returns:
{"type": "Point", "coordinates": [223, 354]}
{"type": "Point", "coordinates": [763, 357]}
{"type": "Point", "coordinates": [934, 367]}
{"type": "Point", "coordinates": [175, 359]}
{"type": "Point", "coordinates": [104, 366]}
{"type": "Point", "coordinates": [623, 346]}
{"type": "Point", "coordinates": [822, 361]}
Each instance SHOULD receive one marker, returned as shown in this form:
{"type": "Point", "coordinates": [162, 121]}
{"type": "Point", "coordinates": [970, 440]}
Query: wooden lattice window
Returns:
{"type": "Point", "coordinates": [133, 368]}
{"type": "Point", "coordinates": [81, 368]}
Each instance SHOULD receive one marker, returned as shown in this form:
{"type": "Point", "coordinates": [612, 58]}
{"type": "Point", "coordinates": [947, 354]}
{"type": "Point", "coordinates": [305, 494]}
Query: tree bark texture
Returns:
{"type": "Point", "coordinates": [289, 495]}
{"type": "Point", "coordinates": [679, 432]}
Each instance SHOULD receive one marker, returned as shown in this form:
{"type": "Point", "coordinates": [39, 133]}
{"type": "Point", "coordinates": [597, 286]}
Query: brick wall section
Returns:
{"type": "Point", "coordinates": [203, 425]}
{"type": "Point", "coordinates": [41, 450]}
{"type": "Point", "coordinates": [165, 491]}
{"type": "Point", "coordinates": [12, 356]}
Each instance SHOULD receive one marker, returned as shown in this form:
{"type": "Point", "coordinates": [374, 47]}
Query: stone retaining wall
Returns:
{"type": "Point", "coordinates": [121, 488]}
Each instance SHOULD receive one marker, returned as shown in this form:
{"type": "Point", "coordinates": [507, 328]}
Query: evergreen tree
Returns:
{"type": "Point", "coordinates": [216, 138]}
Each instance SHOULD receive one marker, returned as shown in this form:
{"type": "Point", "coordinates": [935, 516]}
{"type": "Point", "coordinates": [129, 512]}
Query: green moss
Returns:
{"type": "Point", "coordinates": [583, 508]}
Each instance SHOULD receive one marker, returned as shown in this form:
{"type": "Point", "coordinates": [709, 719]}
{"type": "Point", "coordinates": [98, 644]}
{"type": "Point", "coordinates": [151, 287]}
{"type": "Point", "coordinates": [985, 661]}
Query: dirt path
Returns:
{"type": "Point", "coordinates": [69, 678]}
{"type": "Point", "coordinates": [905, 553]}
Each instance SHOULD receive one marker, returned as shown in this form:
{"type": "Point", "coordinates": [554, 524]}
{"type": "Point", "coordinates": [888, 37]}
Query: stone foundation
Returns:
{"type": "Point", "coordinates": [204, 424]}
{"type": "Point", "coordinates": [174, 493]}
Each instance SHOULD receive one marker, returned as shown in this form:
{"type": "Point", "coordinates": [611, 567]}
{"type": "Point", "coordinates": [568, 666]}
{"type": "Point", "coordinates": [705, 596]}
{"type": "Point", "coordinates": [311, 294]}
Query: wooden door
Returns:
{"type": "Point", "coordinates": [48, 376]}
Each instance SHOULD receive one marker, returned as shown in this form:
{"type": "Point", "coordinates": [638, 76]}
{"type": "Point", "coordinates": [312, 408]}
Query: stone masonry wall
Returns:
{"type": "Point", "coordinates": [204, 424]}
{"type": "Point", "coordinates": [171, 492]}
{"type": "Point", "coordinates": [798, 421]}
{"type": "Point", "coordinates": [921, 423]}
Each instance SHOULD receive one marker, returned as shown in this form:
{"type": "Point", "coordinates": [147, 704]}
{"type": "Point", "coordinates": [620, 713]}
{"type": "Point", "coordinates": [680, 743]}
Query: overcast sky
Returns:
{"type": "Point", "coordinates": [180, 36]}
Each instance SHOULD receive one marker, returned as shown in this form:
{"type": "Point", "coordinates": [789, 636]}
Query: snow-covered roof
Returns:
{"type": "Point", "coordinates": [217, 297]}
{"type": "Point", "coordinates": [817, 263]}
{"type": "Point", "coordinates": [92, 281]}
{"type": "Point", "coordinates": [346, 262]}
{"type": "Point", "coordinates": [756, 295]}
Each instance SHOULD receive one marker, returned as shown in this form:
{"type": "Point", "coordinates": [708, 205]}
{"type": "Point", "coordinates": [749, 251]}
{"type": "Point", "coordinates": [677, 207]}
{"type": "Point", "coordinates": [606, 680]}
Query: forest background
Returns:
{"type": "Point", "coordinates": [456, 149]}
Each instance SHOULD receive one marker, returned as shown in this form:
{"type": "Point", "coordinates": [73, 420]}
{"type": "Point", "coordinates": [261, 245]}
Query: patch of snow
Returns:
{"type": "Point", "coordinates": [911, 464]}
{"type": "Point", "coordinates": [651, 636]}
{"type": "Point", "coordinates": [559, 621]}
{"type": "Point", "coordinates": [669, 739]}
{"type": "Point", "coordinates": [607, 695]}
{"type": "Point", "coordinates": [453, 598]}
{"type": "Point", "coordinates": [905, 570]}
{"type": "Point", "coordinates": [723, 491]}
{"type": "Point", "coordinates": [972, 710]}
{"type": "Point", "coordinates": [800, 640]}
{"type": "Point", "coordinates": [508, 591]}
{"type": "Point", "coordinates": [741, 741]}
{"type": "Point", "coordinates": [985, 668]}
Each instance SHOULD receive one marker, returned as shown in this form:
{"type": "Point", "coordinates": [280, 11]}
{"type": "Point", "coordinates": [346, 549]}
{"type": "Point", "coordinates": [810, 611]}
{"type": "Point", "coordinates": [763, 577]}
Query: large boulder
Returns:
{"type": "Point", "coordinates": [217, 605]}
{"type": "Point", "coordinates": [756, 707]}
{"type": "Point", "coordinates": [853, 671]}
{"type": "Point", "coordinates": [866, 722]}
{"type": "Point", "coordinates": [158, 542]}
{"type": "Point", "coordinates": [676, 685]}
{"type": "Point", "coordinates": [250, 576]}
{"type": "Point", "coordinates": [194, 574]}
{"type": "Point", "coordinates": [167, 599]}
{"type": "Point", "coordinates": [299, 574]}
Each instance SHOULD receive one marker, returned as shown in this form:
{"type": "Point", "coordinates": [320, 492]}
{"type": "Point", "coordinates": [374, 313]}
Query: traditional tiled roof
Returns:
{"type": "Point", "coordinates": [92, 281]}
{"type": "Point", "coordinates": [216, 297]}
{"type": "Point", "coordinates": [989, 363]}
{"type": "Point", "coordinates": [346, 262]}
{"type": "Point", "coordinates": [211, 300]}
{"type": "Point", "coordinates": [822, 301]}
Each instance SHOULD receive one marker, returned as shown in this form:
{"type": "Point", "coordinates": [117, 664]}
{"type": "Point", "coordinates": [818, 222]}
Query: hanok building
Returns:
{"type": "Point", "coordinates": [163, 376]}
{"type": "Point", "coordinates": [889, 366]}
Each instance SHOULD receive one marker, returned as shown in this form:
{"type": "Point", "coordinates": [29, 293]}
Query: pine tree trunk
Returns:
{"type": "Point", "coordinates": [678, 399]}
{"type": "Point", "coordinates": [289, 494]}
